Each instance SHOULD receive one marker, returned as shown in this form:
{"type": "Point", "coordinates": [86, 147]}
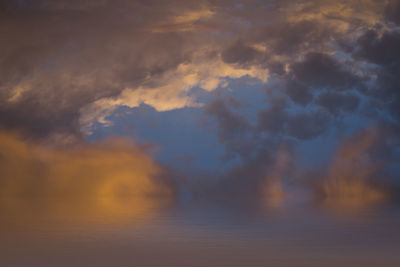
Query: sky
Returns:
{"type": "Point", "coordinates": [236, 101]}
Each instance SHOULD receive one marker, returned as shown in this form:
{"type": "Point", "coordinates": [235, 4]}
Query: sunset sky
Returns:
{"type": "Point", "coordinates": [199, 133]}
{"type": "Point", "coordinates": [247, 101]}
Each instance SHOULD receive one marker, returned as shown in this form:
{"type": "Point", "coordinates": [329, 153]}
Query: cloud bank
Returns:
{"type": "Point", "coordinates": [113, 180]}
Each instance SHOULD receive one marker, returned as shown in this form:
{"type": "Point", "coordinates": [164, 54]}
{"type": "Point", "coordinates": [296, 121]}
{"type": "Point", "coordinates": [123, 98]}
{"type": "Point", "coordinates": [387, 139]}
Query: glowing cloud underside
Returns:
{"type": "Point", "coordinates": [113, 180]}
{"type": "Point", "coordinates": [170, 91]}
{"type": "Point", "coordinates": [348, 183]}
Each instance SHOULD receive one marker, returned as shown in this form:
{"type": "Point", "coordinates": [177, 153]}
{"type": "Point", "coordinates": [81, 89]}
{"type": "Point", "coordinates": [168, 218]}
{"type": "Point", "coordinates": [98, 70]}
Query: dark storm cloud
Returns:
{"type": "Point", "coordinates": [299, 93]}
{"type": "Point", "coordinates": [335, 102]}
{"type": "Point", "coordinates": [320, 70]}
{"type": "Point", "coordinates": [380, 50]}
{"type": "Point", "coordinates": [290, 38]}
{"type": "Point", "coordinates": [273, 119]}
{"type": "Point", "coordinates": [37, 121]}
{"type": "Point", "coordinates": [230, 124]}
{"type": "Point", "coordinates": [301, 125]}
{"type": "Point", "coordinates": [383, 51]}
{"type": "Point", "coordinates": [58, 57]}
{"type": "Point", "coordinates": [263, 152]}
{"type": "Point", "coordinates": [234, 131]}
{"type": "Point", "coordinates": [250, 182]}
{"type": "Point", "coordinates": [279, 38]}
{"type": "Point", "coordinates": [308, 125]}
{"type": "Point", "coordinates": [240, 53]}
{"type": "Point", "coordinates": [392, 12]}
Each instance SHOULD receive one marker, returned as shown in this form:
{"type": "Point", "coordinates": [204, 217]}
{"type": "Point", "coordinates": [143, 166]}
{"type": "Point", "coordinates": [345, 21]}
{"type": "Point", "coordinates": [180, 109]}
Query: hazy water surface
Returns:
{"type": "Point", "coordinates": [201, 235]}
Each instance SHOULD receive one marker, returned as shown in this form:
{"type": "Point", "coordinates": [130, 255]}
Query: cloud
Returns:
{"type": "Point", "coordinates": [240, 53]}
{"type": "Point", "coordinates": [299, 93]}
{"type": "Point", "coordinates": [113, 179]}
{"type": "Point", "coordinates": [382, 51]}
{"type": "Point", "coordinates": [189, 21]}
{"type": "Point", "coordinates": [171, 90]}
{"type": "Point", "coordinates": [258, 181]}
{"type": "Point", "coordinates": [322, 75]}
{"type": "Point", "coordinates": [392, 12]}
{"type": "Point", "coordinates": [60, 58]}
{"type": "Point", "coordinates": [68, 65]}
{"type": "Point", "coordinates": [354, 179]}
{"type": "Point", "coordinates": [230, 124]}
{"type": "Point", "coordinates": [273, 193]}
{"type": "Point", "coordinates": [306, 125]}
{"type": "Point", "coordinates": [342, 15]}
{"type": "Point", "coordinates": [336, 102]}
{"type": "Point", "coordinates": [319, 70]}
{"type": "Point", "coordinates": [193, 16]}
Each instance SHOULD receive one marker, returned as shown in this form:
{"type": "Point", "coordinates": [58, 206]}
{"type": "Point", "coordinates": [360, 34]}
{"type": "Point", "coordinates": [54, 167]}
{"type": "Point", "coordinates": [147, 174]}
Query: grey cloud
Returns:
{"type": "Point", "coordinates": [234, 131]}
{"type": "Point", "coordinates": [240, 53]}
{"type": "Point", "coordinates": [380, 50]}
{"type": "Point", "coordinates": [272, 120]}
{"type": "Point", "coordinates": [248, 183]}
{"type": "Point", "coordinates": [383, 51]}
{"type": "Point", "coordinates": [319, 70]}
{"type": "Point", "coordinates": [336, 102]}
{"type": "Point", "coordinates": [69, 54]}
{"type": "Point", "coordinates": [322, 72]}
{"type": "Point", "coordinates": [230, 124]}
{"type": "Point", "coordinates": [294, 37]}
{"type": "Point", "coordinates": [308, 125]}
{"type": "Point", "coordinates": [302, 125]}
{"type": "Point", "coordinates": [276, 67]}
{"type": "Point", "coordinates": [57, 58]}
{"type": "Point", "coordinates": [299, 93]}
{"type": "Point", "coordinates": [289, 38]}
{"type": "Point", "coordinates": [243, 182]}
{"type": "Point", "coordinates": [392, 12]}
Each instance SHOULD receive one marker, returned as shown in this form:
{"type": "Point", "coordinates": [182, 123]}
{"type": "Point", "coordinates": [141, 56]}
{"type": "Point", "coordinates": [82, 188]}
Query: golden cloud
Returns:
{"type": "Point", "coordinates": [340, 15]}
{"type": "Point", "coordinates": [273, 193]}
{"type": "Point", "coordinates": [171, 90]}
{"type": "Point", "coordinates": [109, 182]}
{"type": "Point", "coordinates": [348, 183]}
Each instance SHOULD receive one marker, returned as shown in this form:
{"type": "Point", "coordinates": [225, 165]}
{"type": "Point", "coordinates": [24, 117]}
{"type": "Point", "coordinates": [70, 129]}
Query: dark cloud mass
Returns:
{"type": "Point", "coordinates": [230, 123]}
{"type": "Point", "coordinates": [299, 93]}
{"type": "Point", "coordinates": [392, 12]}
{"type": "Point", "coordinates": [240, 53]}
{"type": "Point", "coordinates": [383, 51]}
{"type": "Point", "coordinates": [57, 58]}
{"type": "Point", "coordinates": [322, 71]}
{"type": "Point", "coordinates": [334, 102]}
{"type": "Point", "coordinates": [301, 125]}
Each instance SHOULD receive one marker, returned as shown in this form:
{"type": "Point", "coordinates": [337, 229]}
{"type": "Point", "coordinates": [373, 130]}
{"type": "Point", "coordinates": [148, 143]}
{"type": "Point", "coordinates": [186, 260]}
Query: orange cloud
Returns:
{"type": "Point", "coordinates": [273, 194]}
{"type": "Point", "coordinates": [341, 15]}
{"type": "Point", "coordinates": [109, 182]}
{"type": "Point", "coordinates": [192, 20]}
{"type": "Point", "coordinates": [171, 91]}
{"type": "Point", "coordinates": [348, 182]}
